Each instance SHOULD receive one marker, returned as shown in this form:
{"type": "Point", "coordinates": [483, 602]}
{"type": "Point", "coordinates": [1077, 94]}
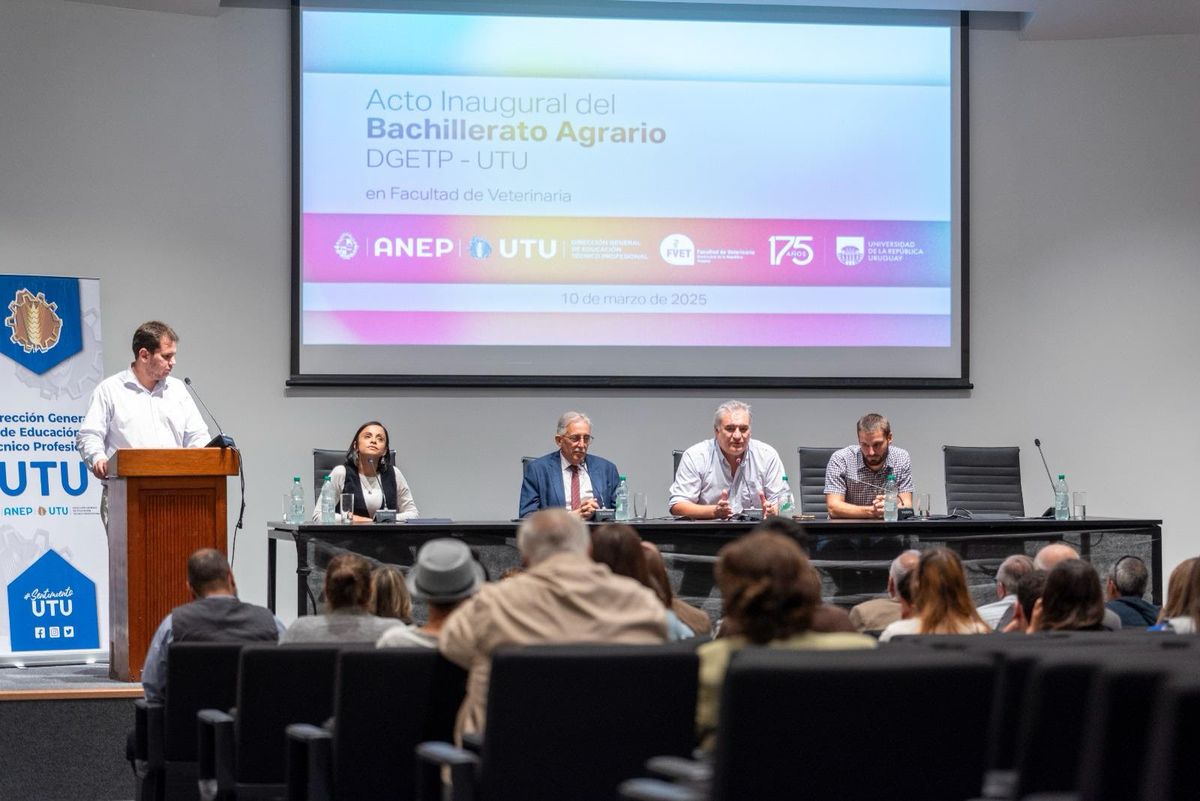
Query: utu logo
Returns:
{"type": "Point", "coordinates": [44, 475]}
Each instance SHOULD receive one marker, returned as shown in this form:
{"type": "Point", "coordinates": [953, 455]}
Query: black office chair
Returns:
{"type": "Point", "coordinates": [324, 460]}
{"type": "Point", "coordinates": [675, 456]}
{"type": "Point", "coordinates": [984, 480]}
{"type": "Point", "coordinates": [811, 479]}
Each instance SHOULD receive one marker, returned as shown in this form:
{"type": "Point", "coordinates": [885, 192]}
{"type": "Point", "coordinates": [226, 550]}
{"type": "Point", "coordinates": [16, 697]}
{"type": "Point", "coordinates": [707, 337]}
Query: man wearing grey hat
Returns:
{"type": "Point", "coordinates": [445, 575]}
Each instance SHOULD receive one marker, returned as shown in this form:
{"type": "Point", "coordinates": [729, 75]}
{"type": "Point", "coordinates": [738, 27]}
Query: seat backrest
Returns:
{"type": "Point", "coordinates": [324, 460]}
{"type": "Point", "coordinates": [583, 718]}
{"type": "Point", "coordinates": [676, 456]}
{"type": "Point", "coordinates": [794, 719]}
{"type": "Point", "coordinates": [984, 480]}
{"type": "Point", "coordinates": [386, 702]}
{"type": "Point", "coordinates": [1171, 773]}
{"type": "Point", "coordinates": [811, 479]}
{"type": "Point", "coordinates": [278, 685]}
{"type": "Point", "coordinates": [200, 675]}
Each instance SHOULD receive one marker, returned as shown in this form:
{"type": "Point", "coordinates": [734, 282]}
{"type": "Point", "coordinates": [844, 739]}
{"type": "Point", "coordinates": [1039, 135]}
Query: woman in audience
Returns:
{"type": "Point", "coordinates": [347, 596]}
{"type": "Point", "coordinates": [619, 546]}
{"type": "Point", "coordinates": [445, 575]}
{"type": "Point", "coordinates": [370, 477]}
{"type": "Point", "coordinates": [941, 600]}
{"type": "Point", "coordinates": [1179, 591]}
{"type": "Point", "coordinates": [389, 594]}
{"type": "Point", "coordinates": [1072, 600]}
{"type": "Point", "coordinates": [1188, 620]}
{"type": "Point", "coordinates": [769, 592]}
{"type": "Point", "coordinates": [695, 619]}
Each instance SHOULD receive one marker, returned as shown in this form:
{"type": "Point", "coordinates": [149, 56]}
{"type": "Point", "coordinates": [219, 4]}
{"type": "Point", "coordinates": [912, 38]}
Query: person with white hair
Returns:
{"type": "Point", "coordinates": [562, 596]}
{"type": "Point", "coordinates": [722, 477]}
{"type": "Point", "coordinates": [999, 612]}
{"type": "Point", "coordinates": [569, 477]}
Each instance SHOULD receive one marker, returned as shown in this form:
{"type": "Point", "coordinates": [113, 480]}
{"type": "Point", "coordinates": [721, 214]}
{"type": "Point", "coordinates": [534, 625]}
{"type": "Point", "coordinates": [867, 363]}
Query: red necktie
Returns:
{"type": "Point", "coordinates": [574, 486]}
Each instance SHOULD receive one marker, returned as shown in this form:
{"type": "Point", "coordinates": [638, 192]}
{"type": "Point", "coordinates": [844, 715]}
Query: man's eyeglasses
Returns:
{"type": "Point", "coordinates": [586, 439]}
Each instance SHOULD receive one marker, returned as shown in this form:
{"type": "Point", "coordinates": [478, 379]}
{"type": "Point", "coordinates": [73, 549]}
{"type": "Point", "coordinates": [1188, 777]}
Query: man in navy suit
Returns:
{"type": "Point", "coordinates": [569, 477]}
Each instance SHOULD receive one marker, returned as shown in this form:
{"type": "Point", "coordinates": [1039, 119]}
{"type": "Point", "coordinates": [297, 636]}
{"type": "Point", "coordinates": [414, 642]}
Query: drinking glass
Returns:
{"type": "Point", "coordinates": [639, 506]}
{"type": "Point", "coordinates": [922, 504]}
{"type": "Point", "coordinates": [347, 507]}
{"type": "Point", "coordinates": [1079, 506]}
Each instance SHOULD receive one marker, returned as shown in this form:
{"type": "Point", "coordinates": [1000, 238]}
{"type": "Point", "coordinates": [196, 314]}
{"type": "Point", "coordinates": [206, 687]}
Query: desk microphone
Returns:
{"type": "Point", "coordinates": [1038, 444]}
{"type": "Point", "coordinates": [221, 440]}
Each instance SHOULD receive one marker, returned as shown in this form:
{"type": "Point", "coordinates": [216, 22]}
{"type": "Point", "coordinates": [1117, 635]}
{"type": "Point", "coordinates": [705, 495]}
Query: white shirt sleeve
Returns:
{"type": "Point", "coordinates": [195, 430]}
{"type": "Point", "coordinates": [90, 439]}
{"type": "Point", "coordinates": [771, 474]}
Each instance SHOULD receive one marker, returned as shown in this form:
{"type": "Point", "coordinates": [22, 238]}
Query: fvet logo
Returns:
{"type": "Point", "coordinates": [413, 247]}
{"type": "Point", "coordinates": [346, 247]}
{"type": "Point", "coordinates": [851, 249]}
{"type": "Point", "coordinates": [52, 607]}
{"type": "Point", "coordinates": [798, 249]}
{"type": "Point", "coordinates": [678, 249]}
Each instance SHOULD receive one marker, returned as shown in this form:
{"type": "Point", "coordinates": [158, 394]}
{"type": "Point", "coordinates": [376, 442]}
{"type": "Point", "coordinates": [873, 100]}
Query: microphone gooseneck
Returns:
{"type": "Point", "coordinates": [1038, 443]}
{"type": "Point", "coordinates": [187, 380]}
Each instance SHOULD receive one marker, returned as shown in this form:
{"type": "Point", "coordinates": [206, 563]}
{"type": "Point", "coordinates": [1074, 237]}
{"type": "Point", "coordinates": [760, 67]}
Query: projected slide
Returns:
{"type": "Point", "coordinates": [507, 185]}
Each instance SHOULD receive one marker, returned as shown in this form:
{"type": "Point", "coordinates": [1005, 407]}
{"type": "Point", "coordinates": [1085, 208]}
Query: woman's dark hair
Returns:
{"type": "Point", "coordinates": [768, 588]}
{"type": "Point", "coordinates": [1029, 588]}
{"type": "Point", "coordinates": [1072, 599]}
{"type": "Point", "coordinates": [619, 546]}
{"type": "Point", "coordinates": [660, 582]}
{"type": "Point", "coordinates": [384, 460]}
{"type": "Point", "coordinates": [348, 581]}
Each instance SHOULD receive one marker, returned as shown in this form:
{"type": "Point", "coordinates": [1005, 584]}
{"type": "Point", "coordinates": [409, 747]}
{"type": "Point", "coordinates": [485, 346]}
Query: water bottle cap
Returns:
{"type": "Point", "coordinates": [1062, 475]}
{"type": "Point", "coordinates": [785, 477]}
{"type": "Point", "coordinates": [296, 479]}
{"type": "Point", "coordinates": [891, 476]}
{"type": "Point", "coordinates": [326, 477]}
{"type": "Point", "coordinates": [622, 478]}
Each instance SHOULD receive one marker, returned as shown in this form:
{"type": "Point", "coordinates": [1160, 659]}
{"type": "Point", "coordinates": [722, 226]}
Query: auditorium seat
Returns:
{"type": "Point", "coordinates": [983, 480]}
{"type": "Point", "coordinates": [1171, 772]}
{"type": "Point", "coordinates": [242, 755]}
{"type": "Point", "coordinates": [200, 675]}
{"type": "Point", "coordinates": [845, 725]}
{"type": "Point", "coordinates": [571, 722]}
{"type": "Point", "coordinates": [386, 701]}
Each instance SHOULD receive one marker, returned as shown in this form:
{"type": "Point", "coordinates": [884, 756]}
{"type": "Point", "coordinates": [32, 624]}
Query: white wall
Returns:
{"type": "Point", "coordinates": [152, 151]}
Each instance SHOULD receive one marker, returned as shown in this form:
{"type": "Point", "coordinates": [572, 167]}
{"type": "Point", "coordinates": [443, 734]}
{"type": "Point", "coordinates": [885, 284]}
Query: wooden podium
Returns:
{"type": "Point", "coordinates": [163, 504]}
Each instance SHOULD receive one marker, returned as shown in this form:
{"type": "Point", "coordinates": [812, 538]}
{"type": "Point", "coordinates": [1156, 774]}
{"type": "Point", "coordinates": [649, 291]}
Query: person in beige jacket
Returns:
{"type": "Point", "coordinates": [562, 597]}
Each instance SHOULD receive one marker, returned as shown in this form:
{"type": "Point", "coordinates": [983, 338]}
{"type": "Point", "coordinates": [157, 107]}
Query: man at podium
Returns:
{"type": "Point", "coordinates": [142, 407]}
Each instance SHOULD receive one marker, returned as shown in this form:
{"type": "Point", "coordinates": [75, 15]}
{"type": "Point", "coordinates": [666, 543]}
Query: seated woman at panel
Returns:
{"type": "Point", "coordinates": [619, 546]}
{"type": "Point", "coordinates": [369, 475]}
{"type": "Point", "coordinates": [1071, 601]}
{"type": "Point", "coordinates": [1179, 593]}
{"type": "Point", "coordinates": [348, 597]}
{"type": "Point", "coordinates": [769, 592]}
{"type": "Point", "coordinates": [940, 597]}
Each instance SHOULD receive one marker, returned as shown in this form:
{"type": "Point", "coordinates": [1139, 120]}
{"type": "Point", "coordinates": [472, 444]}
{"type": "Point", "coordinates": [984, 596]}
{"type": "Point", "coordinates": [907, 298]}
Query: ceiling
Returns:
{"type": "Point", "coordinates": [1036, 19]}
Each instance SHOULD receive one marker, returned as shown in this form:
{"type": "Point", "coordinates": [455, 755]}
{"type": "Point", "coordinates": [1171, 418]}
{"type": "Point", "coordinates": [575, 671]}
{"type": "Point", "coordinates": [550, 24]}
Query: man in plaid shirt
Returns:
{"type": "Point", "coordinates": [856, 475]}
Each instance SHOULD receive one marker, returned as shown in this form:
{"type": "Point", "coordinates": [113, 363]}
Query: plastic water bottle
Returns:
{"type": "Point", "coordinates": [787, 501]}
{"type": "Point", "coordinates": [890, 499]}
{"type": "Point", "coordinates": [621, 501]}
{"type": "Point", "coordinates": [1062, 499]}
{"type": "Point", "coordinates": [327, 502]}
{"type": "Point", "coordinates": [296, 508]}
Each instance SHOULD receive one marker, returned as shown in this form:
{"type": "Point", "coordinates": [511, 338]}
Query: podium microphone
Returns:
{"type": "Point", "coordinates": [225, 442]}
{"type": "Point", "coordinates": [219, 440]}
{"type": "Point", "coordinates": [1038, 444]}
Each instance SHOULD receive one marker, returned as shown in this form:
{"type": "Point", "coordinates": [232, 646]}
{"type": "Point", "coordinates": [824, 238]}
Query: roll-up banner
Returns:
{"type": "Point", "coordinates": [53, 549]}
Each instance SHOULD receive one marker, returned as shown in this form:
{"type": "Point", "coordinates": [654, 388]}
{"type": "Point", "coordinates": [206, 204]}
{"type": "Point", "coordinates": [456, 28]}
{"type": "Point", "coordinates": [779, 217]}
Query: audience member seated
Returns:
{"type": "Point", "coordinates": [1179, 594]}
{"type": "Point", "coordinates": [348, 598]}
{"type": "Point", "coordinates": [215, 616]}
{"type": "Point", "coordinates": [998, 613]}
{"type": "Point", "coordinates": [1125, 587]}
{"type": "Point", "coordinates": [769, 592]}
{"type": "Point", "coordinates": [1050, 555]}
{"type": "Point", "coordinates": [619, 546]}
{"type": "Point", "coordinates": [695, 619]}
{"type": "Point", "coordinates": [445, 575]}
{"type": "Point", "coordinates": [562, 596]}
{"type": "Point", "coordinates": [389, 594]}
{"type": "Point", "coordinates": [1189, 622]}
{"type": "Point", "coordinates": [1071, 601]}
{"type": "Point", "coordinates": [877, 613]}
{"type": "Point", "coordinates": [826, 617]}
{"type": "Point", "coordinates": [1029, 590]}
{"type": "Point", "coordinates": [941, 599]}
{"type": "Point", "coordinates": [370, 477]}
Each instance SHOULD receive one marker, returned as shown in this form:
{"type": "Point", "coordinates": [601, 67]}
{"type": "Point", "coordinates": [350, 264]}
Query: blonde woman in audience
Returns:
{"type": "Point", "coordinates": [1188, 621]}
{"type": "Point", "coordinates": [940, 597]}
{"type": "Point", "coordinates": [1179, 592]}
{"type": "Point", "coordinates": [389, 594]}
{"type": "Point", "coordinates": [769, 593]}
{"type": "Point", "coordinates": [445, 575]}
